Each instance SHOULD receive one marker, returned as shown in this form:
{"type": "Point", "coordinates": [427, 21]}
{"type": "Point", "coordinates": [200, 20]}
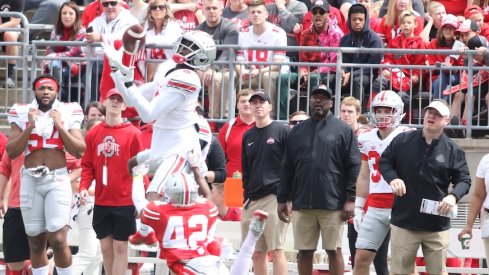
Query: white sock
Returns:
{"type": "Point", "coordinates": [145, 229]}
{"type": "Point", "coordinates": [40, 270]}
{"type": "Point", "coordinates": [243, 261]}
{"type": "Point", "coordinates": [64, 271]}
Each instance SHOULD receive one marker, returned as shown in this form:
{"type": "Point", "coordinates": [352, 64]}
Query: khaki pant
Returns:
{"type": "Point", "coordinates": [219, 93]}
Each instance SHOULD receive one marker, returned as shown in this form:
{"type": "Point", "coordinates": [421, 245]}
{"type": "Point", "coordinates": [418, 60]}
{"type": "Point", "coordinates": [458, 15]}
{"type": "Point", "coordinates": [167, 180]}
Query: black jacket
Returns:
{"type": "Point", "coordinates": [367, 38]}
{"type": "Point", "coordinates": [216, 161]}
{"type": "Point", "coordinates": [321, 165]}
{"type": "Point", "coordinates": [427, 171]}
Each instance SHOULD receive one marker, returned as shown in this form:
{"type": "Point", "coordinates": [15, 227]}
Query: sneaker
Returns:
{"type": "Point", "coordinates": [10, 83]}
{"type": "Point", "coordinates": [257, 225]}
{"type": "Point", "coordinates": [138, 239]}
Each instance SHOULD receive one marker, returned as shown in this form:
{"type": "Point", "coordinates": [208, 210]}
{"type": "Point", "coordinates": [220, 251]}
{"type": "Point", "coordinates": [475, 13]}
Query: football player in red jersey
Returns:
{"type": "Point", "coordinates": [184, 224]}
{"type": "Point", "coordinates": [43, 130]}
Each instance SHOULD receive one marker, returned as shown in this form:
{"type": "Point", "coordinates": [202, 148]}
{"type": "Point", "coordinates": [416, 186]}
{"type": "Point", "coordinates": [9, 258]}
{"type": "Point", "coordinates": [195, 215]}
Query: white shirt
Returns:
{"type": "Point", "coordinates": [273, 36]}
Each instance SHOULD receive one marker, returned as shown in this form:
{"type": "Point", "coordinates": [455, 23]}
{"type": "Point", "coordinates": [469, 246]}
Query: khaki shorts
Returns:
{"type": "Point", "coordinates": [273, 237]}
{"type": "Point", "coordinates": [308, 224]}
{"type": "Point", "coordinates": [405, 244]}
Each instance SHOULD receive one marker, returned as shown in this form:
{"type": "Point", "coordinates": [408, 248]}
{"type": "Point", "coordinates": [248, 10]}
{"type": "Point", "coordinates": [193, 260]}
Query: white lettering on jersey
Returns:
{"type": "Point", "coordinates": [174, 236]}
{"type": "Point", "coordinates": [108, 147]}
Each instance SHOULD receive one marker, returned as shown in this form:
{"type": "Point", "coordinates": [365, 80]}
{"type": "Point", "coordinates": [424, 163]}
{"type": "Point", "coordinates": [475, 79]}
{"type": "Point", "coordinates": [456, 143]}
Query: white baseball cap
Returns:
{"type": "Point", "coordinates": [440, 107]}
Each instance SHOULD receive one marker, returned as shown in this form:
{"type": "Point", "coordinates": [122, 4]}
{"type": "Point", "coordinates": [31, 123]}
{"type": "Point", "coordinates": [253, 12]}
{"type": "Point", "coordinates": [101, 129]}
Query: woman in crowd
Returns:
{"type": "Point", "coordinates": [94, 110]}
{"type": "Point", "coordinates": [68, 28]}
{"type": "Point", "coordinates": [160, 26]}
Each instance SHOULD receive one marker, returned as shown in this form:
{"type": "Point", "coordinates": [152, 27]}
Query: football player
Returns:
{"type": "Point", "coordinates": [373, 226]}
{"type": "Point", "coordinates": [43, 130]}
{"type": "Point", "coordinates": [184, 224]}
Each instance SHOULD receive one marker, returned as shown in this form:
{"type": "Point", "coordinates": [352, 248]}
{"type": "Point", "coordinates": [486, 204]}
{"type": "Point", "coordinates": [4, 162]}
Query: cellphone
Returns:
{"type": "Point", "coordinates": [89, 29]}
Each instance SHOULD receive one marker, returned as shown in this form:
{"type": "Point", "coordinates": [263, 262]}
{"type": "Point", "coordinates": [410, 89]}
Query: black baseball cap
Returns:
{"type": "Point", "coordinates": [477, 42]}
{"type": "Point", "coordinates": [261, 95]}
{"type": "Point", "coordinates": [322, 4]}
{"type": "Point", "coordinates": [322, 89]}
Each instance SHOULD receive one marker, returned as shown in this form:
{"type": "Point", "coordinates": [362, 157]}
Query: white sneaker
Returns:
{"type": "Point", "coordinates": [257, 225]}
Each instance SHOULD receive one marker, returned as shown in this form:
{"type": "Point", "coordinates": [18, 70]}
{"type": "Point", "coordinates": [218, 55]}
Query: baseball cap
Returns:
{"type": "Point", "coordinates": [467, 26]}
{"type": "Point", "coordinates": [322, 4]}
{"type": "Point", "coordinates": [440, 107]}
{"type": "Point", "coordinates": [112, 92]}
{"type": "Point", "coordinates": [476, 42]}
{"type": "Point", "coordinates": [449, 20]}
{"type": "Point", "coordinates": [261, 95]}
{"type": "Point", "coordinates": [323, 90]}
{"type": "Point", "coordinates": [471, 10]}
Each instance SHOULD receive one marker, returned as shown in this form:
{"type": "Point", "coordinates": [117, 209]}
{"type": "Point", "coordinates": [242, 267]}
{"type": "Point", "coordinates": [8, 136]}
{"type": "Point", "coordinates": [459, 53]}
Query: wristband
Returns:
{"type": "Point", "coordinates": [360, 202]}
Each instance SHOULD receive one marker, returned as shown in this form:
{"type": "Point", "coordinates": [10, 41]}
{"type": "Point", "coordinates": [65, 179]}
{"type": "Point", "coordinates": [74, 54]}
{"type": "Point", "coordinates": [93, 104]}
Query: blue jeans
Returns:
{"type": "Point", "coordinates": [442, 82]}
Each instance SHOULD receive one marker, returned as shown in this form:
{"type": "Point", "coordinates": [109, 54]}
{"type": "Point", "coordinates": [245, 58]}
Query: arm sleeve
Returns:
{"type": "Point", "coordinates": [74, 51]}
{"type": "Point", "coordinates": [286, 177]}
{"type": "Point", "coordinates": [460, 175]}
{"type": "Point", "coordinates": [216, 161]}
{"type": "Point", "coordinates": [231, 35]}
{"type": "Point", "coordinates": [288, 18]}
{"type": "Point", "coordinates": [353, 164]}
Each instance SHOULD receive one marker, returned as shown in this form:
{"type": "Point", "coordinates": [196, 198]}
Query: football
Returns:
{"type": "Point", "coordinates": [134, 39]}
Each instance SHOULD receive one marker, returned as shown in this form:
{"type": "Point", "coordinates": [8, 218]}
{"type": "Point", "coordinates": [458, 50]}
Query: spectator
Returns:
{"type": "Point", "coordinates": [350, 112]}
{"type": "Point", "coordinates": [390, 25]}
{"type": "Point", "coordinates": [216, 77]}
{"type": "Point", "coordinates": [10, 36]}
{"type": "Point", "coordinates": [412, 180]}
{"type": "Point", "coordinates": [216, 163]}
{"type": "Point", "coordinates": [484, 6]}
{"type": "Point", "coordinates": [342, 5]}
{"type": "Point", "coordinates": [160, 26]}
{"type": "Point", "coordinates": [43, 130]}
{"type": "Point", "coordinates": [111, 144]}
{"type": "Point", "coordinates": [15, 242]}
{"type": "Point", "coordinates": [372, 214]}
{"type": "Point", "coordinates": [225, 213]}
{"type": "Point", "coordinates": [68, 28]}
{"type": "Point", "coordinates": [403, 80]}
{"type": "Point", "coordinates": [436, 12]}
{"type": "Point", "coordinates": [297, 117]}
{"type": "Point", "coordinates": [43, 13]}
{"type": "Point", "coordinates": [108, 27]}
{"type": "Point", "coordinates": [89, 257]}
{"type": "Point", "coordinates": [360, 36]}
{"type": "Point", "coordinates": [327, 200]}
{"type": "Point", "coordinates": [373, 18]}
{"type": "Point", "coordinates": [231, 134]}
{"type": "Point", "coordinates": [446, 39]}
{"type": "Point", "coordinates": [418, 6]}
{"type": "Point", "coordinates": [479, 204]}
{"type": "Point", "coordinates": [475, 14]}
{"type": "Point", "coordinates": [94, 10]}
{"type": "Point", "coordinates": [237, 12]}
{"type": "Point", "coordinates": [94, 110]}
{"type": "Point", "coordinates": [288, 15]}
{"type": "Point", "coordinates": [188, 14]}
{"type": "Point", "coordinates": [320, 34]}
{"type": "Point", "coordinates": [261, 33]}
{"type": "Point", "coordinates": [263, 149]}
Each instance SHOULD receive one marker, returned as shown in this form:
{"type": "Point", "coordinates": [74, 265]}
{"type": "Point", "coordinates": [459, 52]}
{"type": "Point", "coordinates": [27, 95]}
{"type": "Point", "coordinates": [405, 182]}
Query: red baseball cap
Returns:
{"type": "Point", "coordinates": [112, 92]}
{"type": "Point", "coordinates": [471, 10]}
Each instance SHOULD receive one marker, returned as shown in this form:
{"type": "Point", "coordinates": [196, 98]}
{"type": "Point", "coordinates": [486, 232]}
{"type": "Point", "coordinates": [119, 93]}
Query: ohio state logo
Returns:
{"type": "Point", "coordinates": [108, 147]}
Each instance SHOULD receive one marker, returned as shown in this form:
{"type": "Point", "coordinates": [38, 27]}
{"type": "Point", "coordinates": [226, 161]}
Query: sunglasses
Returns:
{"type": "Point", "coordinates": [159, 7]}
{"type": "Point", "coordinates": [109, 3]}
{"type": "Point", "coordinates": [295, 122]}
{"type": "Point", "coordinates": [318, 11]}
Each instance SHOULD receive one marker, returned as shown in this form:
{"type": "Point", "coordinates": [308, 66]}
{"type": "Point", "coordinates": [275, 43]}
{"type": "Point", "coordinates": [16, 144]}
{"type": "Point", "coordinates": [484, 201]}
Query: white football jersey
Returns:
{"type": "Point", "coordinates": [371, 147]}
{"type": "Point", "coordinates": [273, 36]}
{"type": "Point", "coordinates": [71, 117]}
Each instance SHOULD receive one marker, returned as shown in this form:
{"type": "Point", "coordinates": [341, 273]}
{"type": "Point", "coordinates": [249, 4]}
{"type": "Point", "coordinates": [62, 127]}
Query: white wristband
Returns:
{"type": "Point", "coordinates": [360, 202]}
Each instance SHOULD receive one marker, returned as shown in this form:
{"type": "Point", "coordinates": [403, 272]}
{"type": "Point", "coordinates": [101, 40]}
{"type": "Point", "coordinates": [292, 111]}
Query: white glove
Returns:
{"type": "Point", "coordinates": [359, 213]}
{"type": "Point", "coordinates": [194, 157]}
{"type": "Point", "coordinates": [140, 170]}
{"type": "Point", "coordinates": [115, 61]}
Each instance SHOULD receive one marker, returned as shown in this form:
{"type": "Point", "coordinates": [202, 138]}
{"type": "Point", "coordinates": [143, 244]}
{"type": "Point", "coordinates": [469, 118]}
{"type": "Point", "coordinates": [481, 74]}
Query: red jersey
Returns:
{"type": "Point", "coordinates": [186, 19]}
{"type": "Point", "coordinates": [183, 232]}
{"type": "Point", "coordinates": [112, 147]}
{"type": "Point", "coordinates": [232, 145]}
{"type": "Point", "coordinates": [6, 167]}
{"type": "Point", "coordinates": [401, 42]}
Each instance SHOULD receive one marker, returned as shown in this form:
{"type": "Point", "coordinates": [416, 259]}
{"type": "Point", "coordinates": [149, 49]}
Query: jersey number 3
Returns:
{"type": "Point", "coordinates": [374, 158]}
{"type": "Point", "coordinates": [177, 237]}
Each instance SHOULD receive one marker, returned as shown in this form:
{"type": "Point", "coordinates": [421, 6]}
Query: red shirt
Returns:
{"type": "Point", "coordinates": [186, 19]}
{"type": "Point", "coordinates": [232, 147]}
{"type": "Point", "coordinates": [111, 146]}
{"type": "Point", "coordinates": [401, 42]}
{"type": "Point", "coordinates": [3, 143]}
{"type": "Point", "coordinates": [391, 32]}
{"type": "Point", "coordinates": [455, 7]}
{"type": "Point", "coordinates": [183, 232]}
{"type": "Point", "coordinates": [6, 168]}
{"type": "Point", "coordinates": [233, 215]}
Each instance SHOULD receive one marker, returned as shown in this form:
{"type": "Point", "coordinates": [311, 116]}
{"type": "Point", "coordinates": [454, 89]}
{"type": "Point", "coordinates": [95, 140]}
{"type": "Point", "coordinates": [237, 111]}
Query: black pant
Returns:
{"type": "Point", "coordinates": [380, 260]}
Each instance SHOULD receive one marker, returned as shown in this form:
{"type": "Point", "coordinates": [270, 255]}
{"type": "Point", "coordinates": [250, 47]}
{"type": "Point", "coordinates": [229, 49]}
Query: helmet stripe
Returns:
{"type": "Point", "coordinates": [186, 190]}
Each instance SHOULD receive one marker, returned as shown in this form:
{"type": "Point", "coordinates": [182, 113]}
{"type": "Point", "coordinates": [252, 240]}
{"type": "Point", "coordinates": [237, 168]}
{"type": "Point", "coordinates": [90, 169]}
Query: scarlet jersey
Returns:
{"type": "Point", "coordinates": [186, 19]}
{"type": "Point", "coordinates": [71, 117]}
{"type": "Point", "coordinates": [183, 232]}
{"type": "Point", "coordinates": [371, 147]}
{"type": "Point", "coordinates": [273, 36]}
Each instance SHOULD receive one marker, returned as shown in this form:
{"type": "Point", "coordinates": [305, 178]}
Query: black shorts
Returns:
{"type": "Point", "coordinates": [15, 242]}
{"type": "Point", "coordinates": [116, 221]}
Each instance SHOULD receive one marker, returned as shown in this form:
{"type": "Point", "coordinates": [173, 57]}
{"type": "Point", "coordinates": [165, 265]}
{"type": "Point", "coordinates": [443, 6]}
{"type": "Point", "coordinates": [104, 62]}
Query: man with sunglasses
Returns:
{"type": "Point", "coordinates": [43, 130]}
{"type": "Point", "coordinates": [107, 28]}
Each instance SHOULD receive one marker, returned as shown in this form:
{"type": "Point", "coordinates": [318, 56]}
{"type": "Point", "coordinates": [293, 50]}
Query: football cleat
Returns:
{"type": "Point", "coordinates": [138, 239]}
{"type": "Point", "coordinates": [257, 225]}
